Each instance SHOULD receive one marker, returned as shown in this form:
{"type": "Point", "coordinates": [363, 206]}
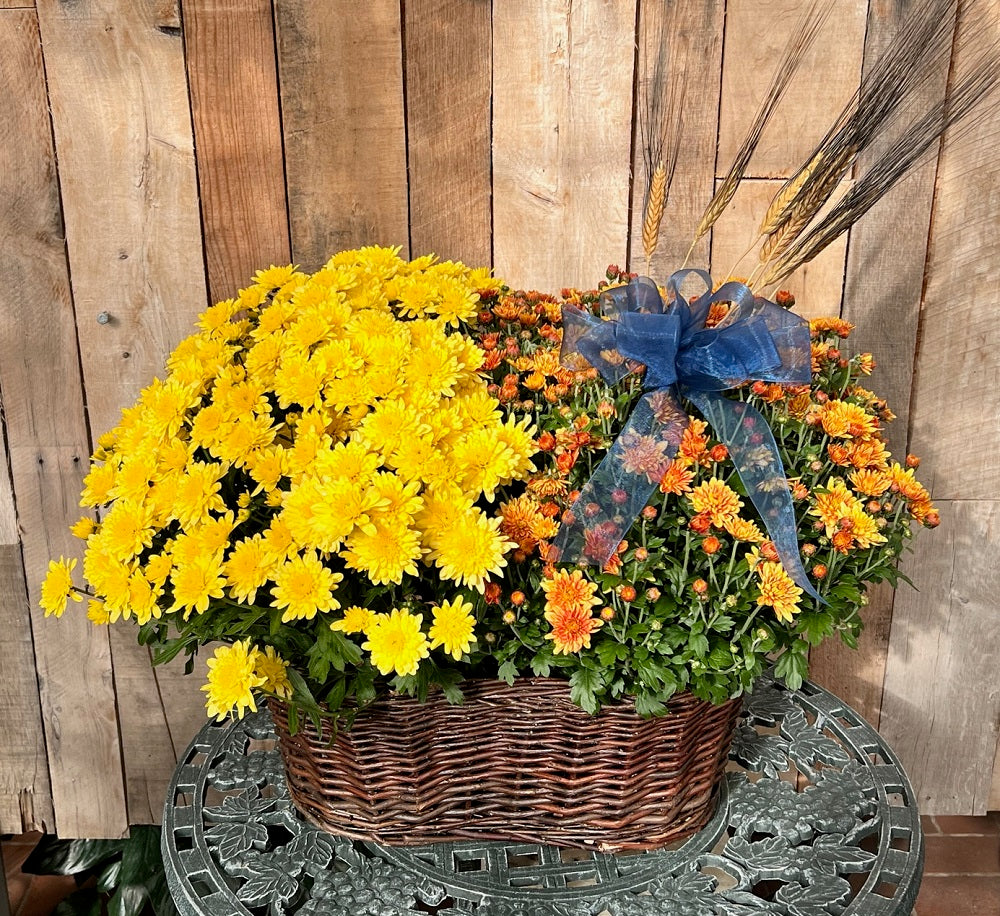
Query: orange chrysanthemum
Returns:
{"type": "Point", "coordinates": [834, 504]}
{"type": "Point", "coordinates": [524, 523]}
{"type": "Point", "coordinates": [547, 486]}
{"type": "Point", "coordinates": [903, 480]}
{"type": "Point", "coordinates": [571, 629]}
{"type": "Point", "coordinates": [694, 442]}
{"type": "Point", "coordinates": [778, 591]}
{"type": "Point", "coordinates": [743, 530]}
{"type": "Point", "coordinates": [677, 480]}
{"type": "Point", "coordinates": [717, 500]}
{"type": "Point", "coordinates": [569, 591]}
{"type": "Point", "coordinates": [870, 483]}
{"type": "Point", "coordinates": [844, 420]}
{"type": "Point", "coordinates": [644, 455]}
{"type": "Point", "coordinates": [821, 326]}
{"type": "Point", "coordinates": [869, 453]}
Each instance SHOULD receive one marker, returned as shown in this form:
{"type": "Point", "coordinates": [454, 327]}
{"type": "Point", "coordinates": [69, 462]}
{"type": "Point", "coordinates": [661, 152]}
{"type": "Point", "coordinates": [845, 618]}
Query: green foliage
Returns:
{"type": "Point", "coordinates": [129, 875]}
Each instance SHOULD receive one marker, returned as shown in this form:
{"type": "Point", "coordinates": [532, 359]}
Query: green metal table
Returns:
{"type": "Point", "coordinates": [815, 818]}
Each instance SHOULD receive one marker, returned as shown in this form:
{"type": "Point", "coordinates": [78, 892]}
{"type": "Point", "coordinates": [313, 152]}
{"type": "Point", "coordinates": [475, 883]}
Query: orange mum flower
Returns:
{"type": "Point", "coordinates": [869, 453]}
{"type": "Point", "coordinates": [569, 591]}
{"type": "Point", "coordinates": [547, 486]}
{"type": "Point", "coordinates": [717, 500]}
{"type": "Point", "coordinates": [863, 528]}
{"type": "Point", "coordinates": [644, 455]}
{"type": "Point", "coordinates": [821, 326]}
{"type": "Point", "coordinates": [871, 483]}
{"type": "Point", "coordinates": [904, 481]}
{"type": "Point", "coordinates": [778, 591]}
{"type": "Point", "coordinates": [743, 530]}
{"type": "Point", "coordinates": [834, 504]}
{"type": "Point", "coordinates": [571, 630]}
{"type": "Point", "coordinates": [677, 480]}
{"type": "Point", "coordinates": [694, 441]}
{"type": "Point", "coordinates": [843, 420]}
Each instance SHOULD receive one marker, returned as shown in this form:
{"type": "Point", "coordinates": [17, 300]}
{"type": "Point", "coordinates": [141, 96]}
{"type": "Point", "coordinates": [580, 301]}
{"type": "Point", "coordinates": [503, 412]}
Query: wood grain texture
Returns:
{"type": "Point", "coordinates": [994, 801]}
{"type": "Point", "coordinates": [449, 62]}
{"type": "Point", "coordinates": [340, 68]}
{"type": "Point", "coordinates": [956, 396]}
{"type": "Point", "coordinates": [692, 30]}
{"type": "Point", "coordinates": [186, 707]}
{"type": "Point", "coordinates": [229, 48]}
{"type": "Point", "coordinates": [756, 33]}
{"type": "Point", "coordinates": [562, 90]}
{"type": "Point", "coordinates": [817, 285]}
{"type": "Point", "coordinates": [941, 706]}
{"type": "Point", "coordinates": [122, 125]}
{"type": "Point", "coordinates": [47, 436]}
{"type": "Point", "coordinates": [123, 136]}
{"type": "Point", "coordinates": [882, 289]}
{"type": "Point", "coordinates": [149, 764]}
{"type": "Point", "coordinates": [25, 792]}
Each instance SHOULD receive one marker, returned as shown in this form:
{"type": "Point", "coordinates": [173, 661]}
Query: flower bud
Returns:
{"type": "Point", "coordinates": [607, 613]}
{"type": "Point", "coordinates": [819, 571]}
{"type": "Point", "coordinates": [699, 587]}
{"type": "Point", "coordinates": [711, 545]}
{"type": "Point", "coordinates": [509, 617]}
{"type": "Point", "coordinates": [653, 594]}
{"type": "Point", "coordinates": [649, 512]}
{"type": "Point", "coordinates": [517, 598]}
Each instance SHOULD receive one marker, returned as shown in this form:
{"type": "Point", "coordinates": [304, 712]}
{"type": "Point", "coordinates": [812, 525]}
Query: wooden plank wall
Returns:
{"type": "Point", "coordinates": [156, 153]}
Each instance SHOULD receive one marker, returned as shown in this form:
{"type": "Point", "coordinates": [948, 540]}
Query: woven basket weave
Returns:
{"type": "Point", "coordinates": [517, 763]}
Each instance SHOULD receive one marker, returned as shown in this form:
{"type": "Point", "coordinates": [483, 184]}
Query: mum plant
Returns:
{"type": "Point", "coordinates": [353, 480]}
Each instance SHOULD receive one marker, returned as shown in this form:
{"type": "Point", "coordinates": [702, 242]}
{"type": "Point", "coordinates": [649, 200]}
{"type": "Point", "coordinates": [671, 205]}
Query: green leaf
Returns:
{"type": "Point", "coordinates": [108, 879]}
{"type": "Point", "coordinates": [647, 705]}
{"type": "Point", "coordinates": [815, 627]}
{"type": "Point", "coordinates": [584, 684]}
{"type": "Point", "coordinates": [699, 644]}
{"type": "Point", "coordinates": [720, 656]}
{"type": "Point", "coordinates": [142, 875]}
{"type": "Point", "coordinates": [507, 672]}
{"type": "Point", "coordinates": [53, 856]}
{"type": "Point", "coordinates": [792, 668]}
{"type": "Point", "coordinates": [609, 652]}
{"type": "Point", "coordinates": [87, 901]}
{"type": "Point", "coordinates": [540, 666]}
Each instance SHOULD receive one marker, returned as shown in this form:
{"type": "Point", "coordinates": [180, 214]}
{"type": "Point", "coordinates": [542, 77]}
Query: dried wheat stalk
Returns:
{"type": "Point", "coordinates": [655, 203]}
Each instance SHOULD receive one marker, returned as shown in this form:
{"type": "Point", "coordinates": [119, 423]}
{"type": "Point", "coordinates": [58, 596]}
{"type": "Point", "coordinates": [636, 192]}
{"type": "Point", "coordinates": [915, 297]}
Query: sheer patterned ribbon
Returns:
{"type": "Point", "coordinates": [757, 340]}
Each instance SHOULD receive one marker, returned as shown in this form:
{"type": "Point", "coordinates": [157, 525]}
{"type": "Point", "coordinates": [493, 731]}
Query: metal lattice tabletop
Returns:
{"type": "Point", "coordinates": [816, 818]}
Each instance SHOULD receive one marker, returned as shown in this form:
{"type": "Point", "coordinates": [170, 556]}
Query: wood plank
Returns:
{"type": "Point", "coordinates": [341, 74]}
{"type": "Point", "coordinates": [186, 713]}
{"type": "Point", "coordinates": [956, 395]}
{"type": "Point", "coordinates": [229, 47]}
{"type": "Point", "coordinates": [47, 436]}
{"type": "Point", "coordinates": [124, 139]}
{"type": "Point", "coordinates": [692, 31]}
{"type": "Point", "coordinates": [562, 81]}
{"type": "Point", "coordinates": [123, 125]}
{"type": "Point", "coordinates": [817, 285]}
{"type": "Point", "coordinates": [941, 708]}
{"type": "Point", "coordinates": [449, 63]}
{"type": "Point", "coordinates": [994, 801]}
{"type": "Point", "coordinates": [756, 33]}
{"type": "Point", "coordinates": [882, 290]}
{"type": "Point", "coordinates": [149, 764]}
{"type": "Point", "coordinates": [25, 792]}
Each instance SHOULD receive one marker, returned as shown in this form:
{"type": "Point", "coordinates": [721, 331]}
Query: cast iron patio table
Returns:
{"type": "Point", "coordinates": [815, 818]}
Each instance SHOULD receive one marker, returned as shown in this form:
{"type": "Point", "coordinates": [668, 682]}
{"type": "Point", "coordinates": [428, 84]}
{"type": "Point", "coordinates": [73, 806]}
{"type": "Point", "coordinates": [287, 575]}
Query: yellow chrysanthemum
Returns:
{"type": "Point", "coordinates": [198, 492]}
{"type": "Point", "coordinates": [356, 620]}
{"type": "Point", "coordinates": [98, 484]}
{"type": "Point", "coordinates": [247, 568]}
{"type": "Point", "coordinates": [453, 627]}
{"type": "Point", "coordinates": [83, 528]}
{"type": "Point", "coordinates": [717, 499]}
{"type": "Point", "coordinates": [57, 588]}
{"type": "Point", "coordinates": [833, 504]}
{"type": "Point", "coordinates": [396, 643]}
{"type": "Point", "coordinates": [472, 550]}
{"type": "Point", "coordinates": [127, 530]}
{"type": "Point", "coordinates": [386, 555]}
{"type": "Point", "coordinates": [195, 583]}
{"type": "Point", "coordinates": [778, 591]}
{"type": "Point", "coordinates": [303, 588]}
{"type": "Point", "coordinates": [273, 669]}
{"type": "Point", "coordinates": [232, 678]}
{"type": "Point", "coordinates": [98, 613]}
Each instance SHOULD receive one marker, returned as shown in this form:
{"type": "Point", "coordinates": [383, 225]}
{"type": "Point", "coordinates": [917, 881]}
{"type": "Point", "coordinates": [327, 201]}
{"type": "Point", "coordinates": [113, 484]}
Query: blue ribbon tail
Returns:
{"type": "Point", "coordinates": [619, 489]}
{"type": "Point", "coordinates": [742, 429]}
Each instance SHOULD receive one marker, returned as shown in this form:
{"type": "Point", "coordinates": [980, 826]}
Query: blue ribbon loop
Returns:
{"type": "Point", "coordinates": [757, 340]}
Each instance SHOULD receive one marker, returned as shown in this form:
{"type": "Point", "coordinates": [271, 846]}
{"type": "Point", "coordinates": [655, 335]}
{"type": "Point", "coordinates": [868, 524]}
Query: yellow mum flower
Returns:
{"type": "Point", "coordinates": [304, 587]}
{"type": "Point", "coordinates": [386, 555]}
{"type": "Point", "coordinates": [232, 677]}
{"type": "Point", "coordinates": [127, 530]}
{"type": "Point", "coordinates": [743, 530]}
{"type": "Point", "coordinates": [57, 588]}
{"type": "Point", "coordinates": [717, 500]}
{"type": "Point", "coordinates": [198, 493]}
{"type": "Point", "coordinates": [195, 583]}
{"type": "Point", "coordinates": [98, 613]}
{"type": "Point", "coordinates": [247, 568]}
{"type": "Point", "coordinates": [274, 670]}
{"type": "Point", "coordinates": [83, 528]}
{"type": "Point", "coordinates": [453, 627]}
{"type": "Point", "coordinates": [833, 504]}
{"type": "Point", "coordinates": [98, 483]}
{"type": "Point", "coordinates": [396, 643]}
{"type": "Point", "coordinates": [472, 550]}
{"type": "Point", "coordinates": [356, 620]}
{"type": "Point", "coordinates": [778, 591]}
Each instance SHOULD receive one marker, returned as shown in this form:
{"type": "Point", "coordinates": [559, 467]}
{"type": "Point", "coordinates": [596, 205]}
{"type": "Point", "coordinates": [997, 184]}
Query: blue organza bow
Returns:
{"type": "Point", "coordinates": [757, 340]}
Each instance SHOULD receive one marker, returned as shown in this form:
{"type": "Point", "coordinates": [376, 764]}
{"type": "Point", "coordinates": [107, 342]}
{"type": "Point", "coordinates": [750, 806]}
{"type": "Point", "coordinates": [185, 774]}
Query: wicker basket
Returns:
{"type": "Point", "coordinates": [518, 763]}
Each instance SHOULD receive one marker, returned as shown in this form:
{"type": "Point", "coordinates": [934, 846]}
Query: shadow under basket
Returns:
{"type": "Point", "coordinates": [517, 763]}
